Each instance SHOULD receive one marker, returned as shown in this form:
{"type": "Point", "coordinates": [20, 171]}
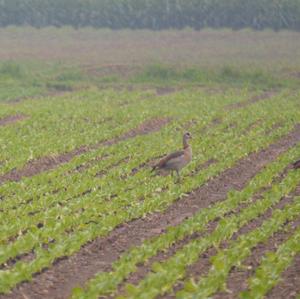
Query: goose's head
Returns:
{"type": "Point", "coordinates": [186, 137]}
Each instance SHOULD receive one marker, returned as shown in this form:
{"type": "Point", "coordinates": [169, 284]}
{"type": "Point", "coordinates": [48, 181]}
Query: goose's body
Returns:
{"type": "Point", "coordinates": [296, 165]}
{"type": "Point", "coordinates": [177, 160]}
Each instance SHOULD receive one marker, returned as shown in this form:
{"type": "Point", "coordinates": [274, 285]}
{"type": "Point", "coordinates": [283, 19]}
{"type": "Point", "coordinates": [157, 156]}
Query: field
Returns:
{"type": "Point", "coordinates": [83, 117]}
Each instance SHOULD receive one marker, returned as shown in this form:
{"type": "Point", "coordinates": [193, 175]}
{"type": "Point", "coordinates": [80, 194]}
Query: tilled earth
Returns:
{"type": "Point", "coordinates": [67, 273]}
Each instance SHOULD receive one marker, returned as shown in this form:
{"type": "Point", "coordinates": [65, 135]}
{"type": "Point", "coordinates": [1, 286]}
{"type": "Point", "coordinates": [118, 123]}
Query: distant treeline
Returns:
{"type": "Point", "coordinates": [153, 14]}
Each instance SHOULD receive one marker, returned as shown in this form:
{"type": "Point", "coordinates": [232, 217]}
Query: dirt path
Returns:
{"type": "Point", "coordinates": [253, 100]}
{"type": "Point", "coordinates": [67, 273]}
{"type": "Point", "coordinates": [11, 119]}
{"type": "Point", "coordinates": [237, 279]}
{"type": "Point", "coordinates": [143, 270]}
{"type": "Point", "coordinates": [199, 268]}
{"type": "Point", "coordinates": [50, 162]}
{"type": "Point", "coordinates": [289, 286]}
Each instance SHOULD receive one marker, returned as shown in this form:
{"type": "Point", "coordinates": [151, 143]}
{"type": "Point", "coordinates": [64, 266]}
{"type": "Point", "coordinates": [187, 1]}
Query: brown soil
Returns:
{"type": "Point", "coordinates": [289, 286]}
{"type": "Point", "coordinates": [204, 166]}
{"type": "Point", "coordinates": [40, 165]}
{"type": "Point", "coordinates": [202, 266]}
{"type": "Point", "coordinates": [261, 97]}
{"type": "Point", "coordinates": [259, 195]}
{"type": "Point", "coordinates": [143, 270]}
{"type": "Point", "coordinates": [296, 164]}
{"type": "Point", "coordinates": [237, 280]}
{"type": "Point", "coordinates": [65, 274]}
{"type": "Point", "coordinates": [42, 95]}
{"type": "Point", "coordinates": [50, 162]}
{"type": "Point", "coordinates": [161, 91]}
{"type": "Point", "coordinates": [295, 75]}
{"type": "Point", "coordinates": [26, 257]}
{"type": "Point", "coordinates": [120, 70]}
{"type": "Point", "coordinates": [11, 119]}
{"type": "Point", "coordinates": [146, 127]}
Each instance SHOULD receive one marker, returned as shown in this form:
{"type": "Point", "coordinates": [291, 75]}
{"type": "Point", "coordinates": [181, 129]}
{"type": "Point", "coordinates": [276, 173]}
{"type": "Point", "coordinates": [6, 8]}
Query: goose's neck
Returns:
{"type": "Point", "coordinates": [185, 144]}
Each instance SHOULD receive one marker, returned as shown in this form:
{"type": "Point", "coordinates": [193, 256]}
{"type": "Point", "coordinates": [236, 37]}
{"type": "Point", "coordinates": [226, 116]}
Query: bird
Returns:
{"type": "Point", "coordinates": [177, 160]}
{"type": "Point", "coordinates": [296, 164]}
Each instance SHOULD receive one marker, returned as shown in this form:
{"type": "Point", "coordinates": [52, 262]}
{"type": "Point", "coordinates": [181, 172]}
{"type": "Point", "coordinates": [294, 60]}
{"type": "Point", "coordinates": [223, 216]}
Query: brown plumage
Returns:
{"type": "Point", "coordinates": [177, 160]}
{"type": "Point", "coordinates": [296, 165]}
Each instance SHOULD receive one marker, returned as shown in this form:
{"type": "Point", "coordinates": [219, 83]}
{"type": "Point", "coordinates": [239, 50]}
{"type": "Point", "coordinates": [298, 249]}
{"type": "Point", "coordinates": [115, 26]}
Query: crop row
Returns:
{"type": "Point", "coordinates": [69, 227]}
{"type": "Point", "coordinates": [82, 235]}
{"type": "Point", "coordinates": [238, 250]}
{"type": "Point", "coordinates": [271, 267]}
{"type": "Point", "coordinates": [58, 181]}
{"type": "Point", "coordinates": [68, 213]}
{"type": "Point", "coordinates": [32, 189]}
{"type": "Point", "coordinates": [165, 274]}
{"type": "Point", "coordinates": [207, 110]}
{"type": "Point", "coordinates": [64, 123]}
{"type": "Point", "coordinates": [20, 202]}
{"type": "Point", "coordinates": [105, 283]}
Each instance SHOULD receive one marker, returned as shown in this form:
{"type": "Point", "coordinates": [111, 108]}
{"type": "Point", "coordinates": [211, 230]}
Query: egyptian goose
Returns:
{"type": "Point", "coordinates": [177, 160]}
{"type": "Point", "coordinates": [296, 164]}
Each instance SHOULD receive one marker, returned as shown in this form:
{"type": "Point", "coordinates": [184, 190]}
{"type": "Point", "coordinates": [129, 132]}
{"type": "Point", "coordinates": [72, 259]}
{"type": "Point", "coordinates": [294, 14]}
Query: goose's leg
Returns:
{"type": "Point", "coordinates": [178, 176]}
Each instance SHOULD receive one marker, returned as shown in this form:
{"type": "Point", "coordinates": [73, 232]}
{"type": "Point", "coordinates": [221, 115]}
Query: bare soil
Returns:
{"type": "Point", "coordinates": [237, 280]}
{"type": "Point", "coordinates": [42, 95]}
{"type": "Point", "coordinates": [237, 276]}
{"type": "Point", "coordinates": [11, 119]}
{"type": "Point", "coordinates": [289, 286]}
{"type": "Point", "coordinates": [67, 273]}
{"type": "Point", "coordinates": [253, 100]}
{"type": "Point", "coordinates": [115, 50]}
{"type": "Point", "coordinates": [143, 270]}
{"type": "Point", "coordinates": [161, 91]}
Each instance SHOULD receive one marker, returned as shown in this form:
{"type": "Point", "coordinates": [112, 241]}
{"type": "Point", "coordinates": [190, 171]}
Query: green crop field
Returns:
{"type": "Point", "coordinates": [81, 214]}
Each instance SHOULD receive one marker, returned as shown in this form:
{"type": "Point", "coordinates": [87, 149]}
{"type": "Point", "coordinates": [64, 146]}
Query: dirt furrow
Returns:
{"type": "Point", "coordinates": [11, 119]}
{"type": "Point", "coordinates": [50, 162]}
{"type": "Point", "coordinates": [161, 91]}
{"type": "Point", "coordinates": [41, 96]}
{"type": "Point", "coordinates": [143, 270]}
{"type": "Point", "coordinates": [202, 268]}
{"type": "Point", "coordinates": [289, 285]}
{"type": "Point", "coordinates": [253, 100]}
{"type": "Point", "coordinates": [65, 274]}
{"type": "Point", "coordinates": [236, 279]}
